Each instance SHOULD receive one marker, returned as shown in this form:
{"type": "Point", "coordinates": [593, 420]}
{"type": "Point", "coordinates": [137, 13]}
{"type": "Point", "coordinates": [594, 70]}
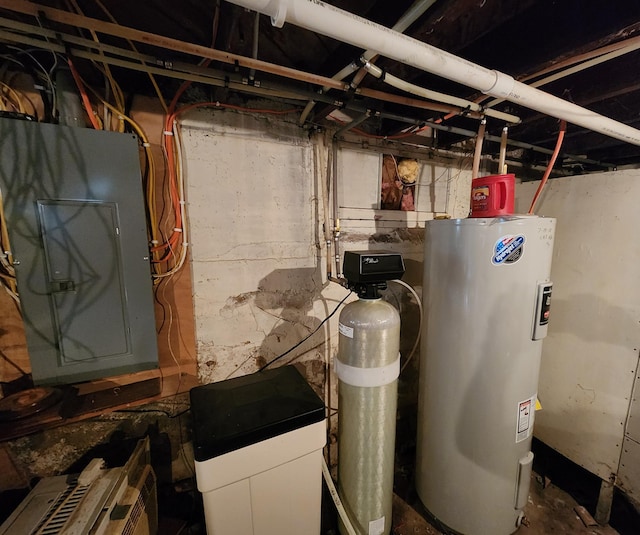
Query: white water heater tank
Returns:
{"type": "Point", "coordinates": [487, 294]}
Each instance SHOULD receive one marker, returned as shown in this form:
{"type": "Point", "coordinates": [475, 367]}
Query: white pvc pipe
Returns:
{"type": "Point", "coordinates": [502, 168]}
{"type": "Point", "coordinates": [420, 91]}
{"type": "Point", "coordinates": [336, 499]}
{"type": "Point", "coordinates": [477, 153]}
{"type": "Point", "coordinates": [398, 83]}
{"type": "Point", "coordinates": [333, 22]}
{"type": "Point", "coordinates": [580, 67]}
{"type": "Point", "coordinates": [410, 16]}
{"type": "Point", "coordinates": [406, 20]}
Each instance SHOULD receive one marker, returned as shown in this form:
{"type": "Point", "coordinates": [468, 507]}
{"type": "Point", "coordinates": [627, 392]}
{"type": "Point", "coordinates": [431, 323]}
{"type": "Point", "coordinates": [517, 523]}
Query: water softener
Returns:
{"type": "Point", "coordinates": [367, 366]}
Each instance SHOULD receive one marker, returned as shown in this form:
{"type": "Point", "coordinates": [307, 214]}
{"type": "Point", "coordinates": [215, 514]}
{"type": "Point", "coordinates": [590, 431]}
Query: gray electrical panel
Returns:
{"type": "Point", "coordinates": [74, 207]}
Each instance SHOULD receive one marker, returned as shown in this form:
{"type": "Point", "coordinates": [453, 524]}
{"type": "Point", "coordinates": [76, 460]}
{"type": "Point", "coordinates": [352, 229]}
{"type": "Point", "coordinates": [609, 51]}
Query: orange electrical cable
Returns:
{"type": "Point", "coordinates": [552, 161]}
{"type": "Point", "coordinates": [83, 95]}
{"type": "Point", "coordinates": [168, 247]}
{"type": "Point", "coordinates": [169, 148]}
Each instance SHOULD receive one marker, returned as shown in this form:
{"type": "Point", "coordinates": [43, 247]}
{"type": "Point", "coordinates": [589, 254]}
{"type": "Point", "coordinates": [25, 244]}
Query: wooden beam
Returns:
{"type": "Point", "coordinates": [170, 385]}
{"type": "Point", "coordinates": [115, 30]}
{"type": "Point", "coordinates": [412, 102]}
{"type": "Point", "coordinates": [180, 70]}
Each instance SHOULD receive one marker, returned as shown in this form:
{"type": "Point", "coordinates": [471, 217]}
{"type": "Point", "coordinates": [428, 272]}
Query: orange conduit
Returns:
{"type": "Point", "coordinates": [552, 161]}
{"type": "Point", "coordinates": [168, 247]}
{"type": "Point", "coordinates": [83, 95]}
{"type": "Point", "coordinates": [169, 147]}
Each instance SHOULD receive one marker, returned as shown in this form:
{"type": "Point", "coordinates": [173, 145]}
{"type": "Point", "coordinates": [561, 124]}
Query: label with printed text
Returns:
{"type": "Point", "coordinates": [345, 330]}
{"type": "Point", "coordinates": [526, 413]}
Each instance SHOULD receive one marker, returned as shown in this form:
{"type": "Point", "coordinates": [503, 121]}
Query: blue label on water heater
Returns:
{"type": "Point", "coordinates": [508, 249]}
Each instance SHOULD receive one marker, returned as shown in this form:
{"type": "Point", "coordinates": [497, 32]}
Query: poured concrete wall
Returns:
{"type": "Point", "coordinates": [255, 192]}
{"type": "Point", "coordinates": [255, 199]}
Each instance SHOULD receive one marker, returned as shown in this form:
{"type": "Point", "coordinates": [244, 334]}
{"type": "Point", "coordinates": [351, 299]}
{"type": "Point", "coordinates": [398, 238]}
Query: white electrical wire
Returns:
{"type": "Point", "coordinates": [415, 344]}
{"type": "Point", "coordinates": [177, 136]}
{"type": "Point", "coordinates": [336, 499]}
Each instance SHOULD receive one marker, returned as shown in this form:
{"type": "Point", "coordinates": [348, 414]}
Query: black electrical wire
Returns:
{"type": "Point", "coordinates": [162, 411]}
{"type": "Point", "coordinates": [309, 335]}
{"type": "Point", "coordinates": [6, 358]}
{"type": "Point", "coordinates": [35, 70]}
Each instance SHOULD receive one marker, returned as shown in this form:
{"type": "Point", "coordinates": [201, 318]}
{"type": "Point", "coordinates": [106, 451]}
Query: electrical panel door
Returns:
{"type": "Point", "coordinates": [85, 293]}
{"type": "Point", "coordinates": [75, 214]}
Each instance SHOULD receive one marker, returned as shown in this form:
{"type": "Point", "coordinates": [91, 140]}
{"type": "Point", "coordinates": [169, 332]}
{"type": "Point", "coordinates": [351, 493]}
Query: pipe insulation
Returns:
{"type": "Point", "coordinates": [328, 20]}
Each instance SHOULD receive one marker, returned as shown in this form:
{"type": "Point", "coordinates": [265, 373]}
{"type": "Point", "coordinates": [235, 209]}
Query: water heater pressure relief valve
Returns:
{"type": "Point", "coordinates": [368, 271]}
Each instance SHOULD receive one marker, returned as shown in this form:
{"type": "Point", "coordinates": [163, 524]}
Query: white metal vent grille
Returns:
{"type": "Point", "coordinates": [62, 510]}
{"type": "Point", "coordinates": [138, 508]}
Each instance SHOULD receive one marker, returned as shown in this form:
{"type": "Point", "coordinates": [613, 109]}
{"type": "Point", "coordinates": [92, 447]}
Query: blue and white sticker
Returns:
{"type": "Point", "coordinates": [508, 249]}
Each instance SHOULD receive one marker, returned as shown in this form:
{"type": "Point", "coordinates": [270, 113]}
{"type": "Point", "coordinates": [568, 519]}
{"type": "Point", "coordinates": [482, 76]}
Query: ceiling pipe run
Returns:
{"type": "Point", "coordinates": [71, 19]}
{"type": "Point", "coordinates": [411, 15]}
{"type": "Point", "coordinates": [59, 43]}
{"type": "Point", "coordinates": [327, 20]}
{"type": "Point", "coordinates": [634, 44]}
{"type": "Point", "coordinates": [183, 71]}
{"type": "Point", "coordinates": [435, 95]}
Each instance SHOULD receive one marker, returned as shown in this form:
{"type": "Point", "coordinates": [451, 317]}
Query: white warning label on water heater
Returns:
{"type": "Point", "coordinates": [526, 413]}
{"type": "Point", "coordinates": [344, 329]}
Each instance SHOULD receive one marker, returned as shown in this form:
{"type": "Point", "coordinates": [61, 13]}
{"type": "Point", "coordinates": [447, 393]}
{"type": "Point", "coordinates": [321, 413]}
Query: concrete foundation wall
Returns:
{"type": "Point", "coordinates": [256, 196]}
{"type": "Point", "coordinates": [256, 193]}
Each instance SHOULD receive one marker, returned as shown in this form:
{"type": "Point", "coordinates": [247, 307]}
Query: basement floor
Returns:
{"type": "Point", "coordinates": [558, 486]}
{"type": "Point", "coordinates": [551, 510]}
{"type": "Point", "coordinates": [559, 490]}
